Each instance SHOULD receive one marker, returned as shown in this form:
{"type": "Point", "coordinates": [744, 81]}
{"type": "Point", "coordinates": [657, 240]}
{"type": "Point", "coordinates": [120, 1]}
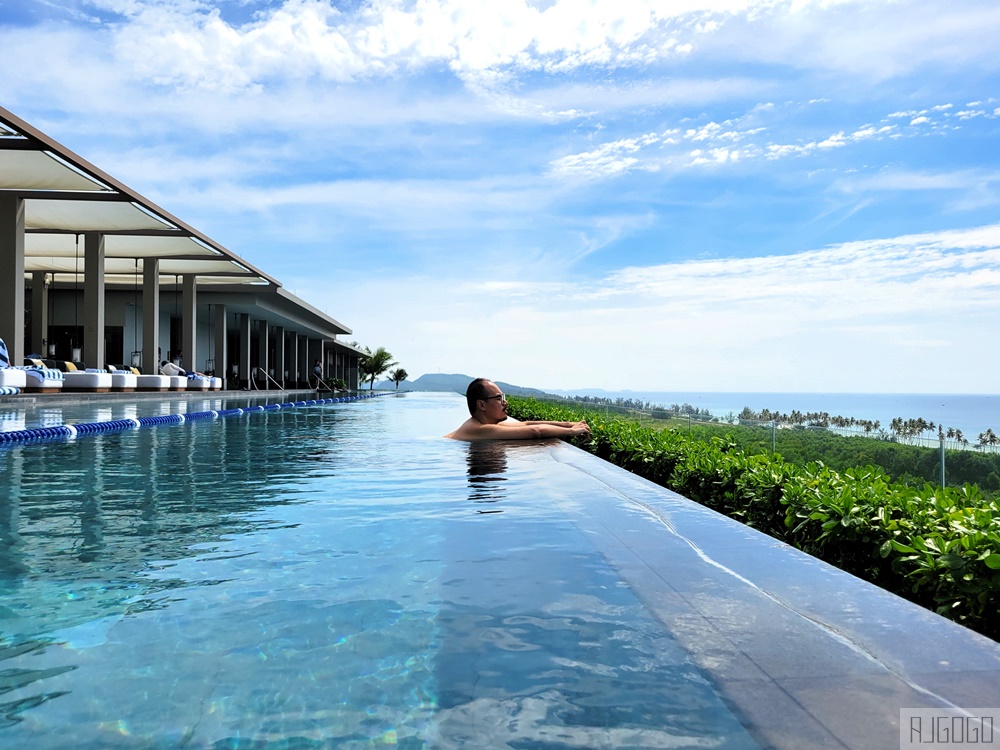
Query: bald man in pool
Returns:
{"type": "Point", "coordinates": [488, 407]}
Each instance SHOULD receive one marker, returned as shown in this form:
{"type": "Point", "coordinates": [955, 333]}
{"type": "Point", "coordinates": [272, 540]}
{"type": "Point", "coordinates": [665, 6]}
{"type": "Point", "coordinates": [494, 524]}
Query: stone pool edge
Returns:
{"type": "Point", "coordinates": [804, 653]}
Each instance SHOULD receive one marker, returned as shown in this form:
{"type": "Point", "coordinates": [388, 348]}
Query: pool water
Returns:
{"type": "Point", "coordinates": [337, 576]}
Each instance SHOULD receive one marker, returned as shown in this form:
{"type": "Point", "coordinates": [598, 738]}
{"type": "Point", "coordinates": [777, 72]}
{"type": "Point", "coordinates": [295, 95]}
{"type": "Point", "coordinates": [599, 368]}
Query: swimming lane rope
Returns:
{"type": "Point", "coordinates": [120, 425]}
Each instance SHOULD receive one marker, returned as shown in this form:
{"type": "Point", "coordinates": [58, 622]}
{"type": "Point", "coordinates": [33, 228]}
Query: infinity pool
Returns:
{"type": "Point", "coordinates": [341, 576]}
{"type": "Point", "coordinates": [329, 576]}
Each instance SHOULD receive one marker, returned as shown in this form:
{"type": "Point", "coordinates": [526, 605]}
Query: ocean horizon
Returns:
{"type": "Point", "coordinates": [970, 413]}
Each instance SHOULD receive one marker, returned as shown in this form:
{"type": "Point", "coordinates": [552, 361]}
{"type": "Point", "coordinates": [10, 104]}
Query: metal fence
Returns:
{"type": "Point", "coordinates": [770, 434]}
{"type": "Point", "coordinates": [679, 419]}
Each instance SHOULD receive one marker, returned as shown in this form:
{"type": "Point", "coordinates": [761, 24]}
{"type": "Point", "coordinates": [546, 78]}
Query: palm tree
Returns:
{"type": "Point", "coordinates": [988, 438]}
{"type": "Point", "coordinates": [398, 376]}
{"type": "Point", "coordinates": [375, 364]}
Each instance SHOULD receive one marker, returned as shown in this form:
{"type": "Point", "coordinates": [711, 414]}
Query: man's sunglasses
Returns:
{"type": "Point", "coordinates": [500, 396]}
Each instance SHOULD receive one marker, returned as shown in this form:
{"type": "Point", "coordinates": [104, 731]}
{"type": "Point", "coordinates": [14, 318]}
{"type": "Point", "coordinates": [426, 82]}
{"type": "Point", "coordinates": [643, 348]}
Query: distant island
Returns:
{"type": "Point", "coordinates": [455, 383]}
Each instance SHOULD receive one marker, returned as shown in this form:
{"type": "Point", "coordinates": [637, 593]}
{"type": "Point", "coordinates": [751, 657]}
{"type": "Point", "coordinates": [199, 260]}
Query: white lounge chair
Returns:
{"type": "Point", "coordinates": [42, 379]}
{"type": "Point", "coordinates": [91, 380]}
{"type": "Point", "coordinates": [198, 382]}
{"type": "Point", "coordinates": [152, 383]}
{"type": "Point", "coordinates": [12, 379]}
{"type": "Point", "coordinates": [123, 380]}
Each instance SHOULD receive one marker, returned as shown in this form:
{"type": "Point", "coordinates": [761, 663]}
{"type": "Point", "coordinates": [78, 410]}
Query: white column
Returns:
{"type": "Point", "coordinates": [243, 364]}
{"type": "Point", "coordinates": [221, 349]}
{"type": "Point", "coordinates": [93, 299]}
{"type": "Point", "coordinates": [262, 358]}
{"type": "Point", "coordinates": [39, 313]}
{"type": "Point", "coordinates": [293, 361]}
{"type": "Point", "coordinates": [150, 316]}
{"type": "Point", "coordinates": [12, 276]}
{"type": "Point", "coordinates": [189, 323]}
{"type": "Point", "coordinates": [279, 354]}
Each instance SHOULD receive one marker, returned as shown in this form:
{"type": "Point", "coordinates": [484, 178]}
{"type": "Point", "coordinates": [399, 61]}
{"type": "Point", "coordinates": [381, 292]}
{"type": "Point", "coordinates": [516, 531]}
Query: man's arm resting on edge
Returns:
{"type": "Point", "coordinates": [523, 431]}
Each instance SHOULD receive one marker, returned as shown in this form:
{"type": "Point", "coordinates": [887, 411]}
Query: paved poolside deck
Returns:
{"type": "Point", "coordinates": [807, 655]}
{"type": "Point", "coordinates": [29, 410]}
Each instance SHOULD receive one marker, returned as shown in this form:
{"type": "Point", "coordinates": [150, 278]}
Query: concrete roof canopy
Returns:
{"type": "Point", "coordinates": [65, 196]}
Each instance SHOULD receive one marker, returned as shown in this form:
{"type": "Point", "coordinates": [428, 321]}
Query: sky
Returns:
{"type": "Point", "coordinates": [669, 195]}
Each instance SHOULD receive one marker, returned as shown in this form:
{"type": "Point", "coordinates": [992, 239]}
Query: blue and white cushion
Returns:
{"type": "Point", "coordinates": [41, 377]}
{"type": "Point", "coordinates": [12, 379]}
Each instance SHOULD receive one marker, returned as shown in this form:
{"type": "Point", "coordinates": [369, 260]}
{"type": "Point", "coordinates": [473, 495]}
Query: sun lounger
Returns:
{"type": "Point", "coordinates": [91, 380]}
{"type": "Point", "coordinates": [152, 383]}
{"type": "Point", "coordinates": [42, 379]}
{"type": "Point", "coordinates": [177, 382]}
{"type": "Point", "coordinates": [179, 378]}
{"type": "Point", "coordinates": [12, 379]}
{"type": "Point", "coordinates": [198, 382]}
{"type": "Point", "coordinates": [123, 380]}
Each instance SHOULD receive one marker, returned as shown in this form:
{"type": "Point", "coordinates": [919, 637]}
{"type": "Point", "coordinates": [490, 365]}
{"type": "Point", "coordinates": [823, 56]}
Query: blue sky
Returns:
{"type": "Point", "coordinates": [700, 195]}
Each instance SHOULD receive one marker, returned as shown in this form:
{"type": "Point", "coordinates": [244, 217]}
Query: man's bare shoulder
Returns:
{"type": "Point", "coordinates": [459, 434]}
{"type": "Point", "coordinates": [473, 429]}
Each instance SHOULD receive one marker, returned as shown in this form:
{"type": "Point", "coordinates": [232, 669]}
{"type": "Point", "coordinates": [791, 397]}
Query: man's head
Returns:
{"type": "Point", "coordinates": [486, 401]}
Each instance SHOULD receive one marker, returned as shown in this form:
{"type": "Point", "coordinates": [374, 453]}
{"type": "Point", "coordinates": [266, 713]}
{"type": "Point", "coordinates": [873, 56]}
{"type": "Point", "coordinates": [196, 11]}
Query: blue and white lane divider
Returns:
{"type": "Point", "coordinates": [120, 425]}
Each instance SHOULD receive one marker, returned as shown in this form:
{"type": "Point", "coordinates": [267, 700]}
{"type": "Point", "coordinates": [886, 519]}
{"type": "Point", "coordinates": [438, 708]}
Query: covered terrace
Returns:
{"type": "Point", "coordinates": [91, 271]}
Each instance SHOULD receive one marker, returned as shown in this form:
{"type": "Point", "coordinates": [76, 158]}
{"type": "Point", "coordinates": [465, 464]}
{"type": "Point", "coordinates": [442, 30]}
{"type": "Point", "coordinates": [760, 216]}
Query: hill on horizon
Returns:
{"type": "Point", "coordinates": [453, 383]}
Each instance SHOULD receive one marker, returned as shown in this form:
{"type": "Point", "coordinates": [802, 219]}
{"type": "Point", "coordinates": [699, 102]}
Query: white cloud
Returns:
{"type": "Point", "coordinates": [558, 98]}
{"type": "Point", "coordinates": [608, 160]}
{"type": "Point", "coordinates": [192, 45]}
{"type": "Point", "coordinates": [714, 156]}
{"type": "Point", "coordinates": [186, 48]}
{"type": "Point", "coordinates": [870, 132]}
{"type": "Point", "coordinates": [302, 38]}
{"type": "Point", "coordinates": [874, 40]}
{"type": "Point", "coordinates": [836, 140]}
{"type": "Point", "coordinates": [960, 182]}
{"type": "Point", "coordinates": [714, 143]}
{"type": "Point", "coordinates": [867, 309]}
{"type": "Point", "coordinates": [741, 140]}
{"type": "Point", "coordinates": [737, 140]}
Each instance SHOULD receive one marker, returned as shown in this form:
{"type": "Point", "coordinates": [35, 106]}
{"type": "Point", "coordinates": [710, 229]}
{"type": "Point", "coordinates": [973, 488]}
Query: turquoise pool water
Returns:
{"type": "Point", "coordinates": [336, 576]}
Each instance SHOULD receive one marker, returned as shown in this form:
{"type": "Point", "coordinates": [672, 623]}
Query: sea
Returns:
{"type": "Point", "coordinates": [971, 413]}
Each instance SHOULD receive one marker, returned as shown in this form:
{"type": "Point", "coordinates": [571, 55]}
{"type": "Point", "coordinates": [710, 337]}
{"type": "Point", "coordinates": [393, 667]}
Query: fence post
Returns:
{"type": "Point", "coordinates": [941, 439]}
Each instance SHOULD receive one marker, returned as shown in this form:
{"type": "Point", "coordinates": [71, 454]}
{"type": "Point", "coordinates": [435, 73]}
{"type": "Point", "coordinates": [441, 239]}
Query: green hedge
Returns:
{"type": "Point", "coordinates": [939, 547]}
{"type": "Point", "coordinates": [913, 465]}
